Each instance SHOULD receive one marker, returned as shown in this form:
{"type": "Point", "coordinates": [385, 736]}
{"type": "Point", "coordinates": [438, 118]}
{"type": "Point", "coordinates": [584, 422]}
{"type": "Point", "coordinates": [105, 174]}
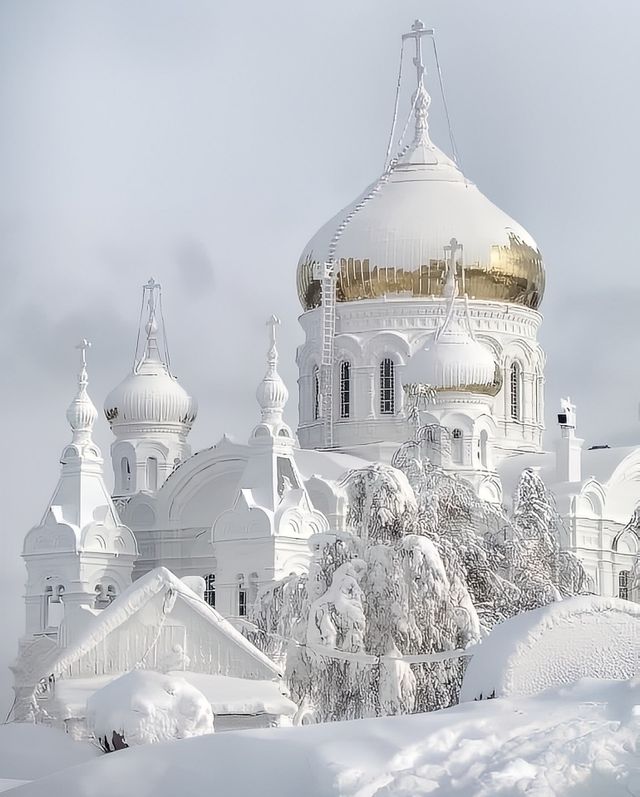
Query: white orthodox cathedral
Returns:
{"type": "Point", "coordinates": [420, 287]}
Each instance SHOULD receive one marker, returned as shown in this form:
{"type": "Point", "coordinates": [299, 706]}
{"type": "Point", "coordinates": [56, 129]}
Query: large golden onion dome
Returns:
{"type": "Point", "coordinates": [390, 240]}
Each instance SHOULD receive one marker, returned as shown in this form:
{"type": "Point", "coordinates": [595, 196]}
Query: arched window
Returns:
{"type": "Point", "coordinates": [316, 393]}
{"type": "Point", "coordinates": [515, 390]}
{"type": "Point", "coordinates": [46, 601]}
{"type": "Point", "coordinates": [152, 473]}
{"type": "Point", "coordinates": [623, 584]}
{"type": "Point", "coordinates": [484, 448]}
{"type": "Point", "coordinates": [111, 593]}
{"type": "Point", "coordinates": [345, 389]}
{"type": "Point", "coordinates": [387, 387]}
{"type": "Point", "coordinates": [210, 589]}
{"type": "Point", "coordinates": [55, 609]}
{"type": "Point", "coordinates": [457, 444]}
{"type": "Point", "coordinates": [125, 473]}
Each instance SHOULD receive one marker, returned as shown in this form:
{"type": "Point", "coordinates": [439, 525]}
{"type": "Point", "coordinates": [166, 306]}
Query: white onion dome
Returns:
{"type": "Point", "coordinates": [150, 395]}
{"type": "Point", "coordinates": [454, 359]}
{"type": "Point", "coordinates": [454, 362]}
{"type": "Point", "coordinates": [389, 241]}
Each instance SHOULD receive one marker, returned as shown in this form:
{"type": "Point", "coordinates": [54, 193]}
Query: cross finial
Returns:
{"type": "Point", "coordinates": [421, 99]}
{"type": "Point", "coordinates": [83, 346]}
{"type": "Point", "coordinates": [272, 357]}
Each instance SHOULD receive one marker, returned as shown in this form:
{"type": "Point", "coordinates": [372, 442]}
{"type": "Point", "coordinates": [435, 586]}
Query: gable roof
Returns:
{"type": "Point", "coordinates": [140, 594]}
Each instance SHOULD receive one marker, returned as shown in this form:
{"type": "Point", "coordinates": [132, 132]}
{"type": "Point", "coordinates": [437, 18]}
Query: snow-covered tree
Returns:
{"type": "Point", "coordinates": [425, 567]}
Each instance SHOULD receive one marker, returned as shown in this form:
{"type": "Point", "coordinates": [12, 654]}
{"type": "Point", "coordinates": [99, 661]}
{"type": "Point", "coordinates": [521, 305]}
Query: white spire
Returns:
{"type": "Point", "coordinates": [82, 413]}
{"type": "Point", "coordinates": [153, 350]}
{"type": "Point", "coordinates": [272, 393]}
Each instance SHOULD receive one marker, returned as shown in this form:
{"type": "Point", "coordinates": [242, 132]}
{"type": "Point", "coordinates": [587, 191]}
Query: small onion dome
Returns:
{"type": "Point", "coordinates": [272, 394]}
{"type": "Point", "coordinates": [150, 395]}
{"type": "Point", "coordinates": [82, 413]}
{"type": "Point", "coordinates": [453, 361]}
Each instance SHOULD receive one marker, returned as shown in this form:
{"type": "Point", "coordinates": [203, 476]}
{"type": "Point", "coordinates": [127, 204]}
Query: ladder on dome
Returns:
{"type": "Point", "coordinates": [326, 274]}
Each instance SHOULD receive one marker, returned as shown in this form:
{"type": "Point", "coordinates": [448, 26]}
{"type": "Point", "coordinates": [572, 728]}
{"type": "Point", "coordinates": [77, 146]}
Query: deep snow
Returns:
{"type": "Point", "coordinates": [578, 740]}
{"type": "Point", "coordinates": [146, 707]}
{"type": "Point", "coordinates": [581, 637]}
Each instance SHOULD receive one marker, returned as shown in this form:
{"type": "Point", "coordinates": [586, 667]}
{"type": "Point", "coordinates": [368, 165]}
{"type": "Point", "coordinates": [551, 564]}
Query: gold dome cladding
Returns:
{"type": "Point", "coordinates": [514, 273]}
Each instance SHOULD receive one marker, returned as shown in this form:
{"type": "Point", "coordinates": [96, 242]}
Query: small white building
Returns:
{"type": "Point", "coordinates": [159, 624]}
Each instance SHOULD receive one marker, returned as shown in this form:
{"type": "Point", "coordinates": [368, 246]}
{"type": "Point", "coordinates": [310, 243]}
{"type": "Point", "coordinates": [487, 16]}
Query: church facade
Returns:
{"type": "Point", "coordinates": [420, 304]}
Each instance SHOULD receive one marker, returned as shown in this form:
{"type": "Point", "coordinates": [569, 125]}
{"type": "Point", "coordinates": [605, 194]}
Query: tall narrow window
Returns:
{"type": "Point", "coordinates": [152, 473]}
{"type": "Point", "coordinates": [387, 387]}
{"type": "Point", "coordinates": [46, 601]}
{"type": "Point", "coordinates": [242, 601]}
{"type": "Point", "coordinates": [210, 589]}
{"type": "Point", "coordinates": [125, 473]}
{"type": "Point", "coordinates": [457, 444]}
{"type": "Point", "coordinates": [623, 584]}
{"type": "Point", "coordinates": [316, 393]}
{"type": "Point", "coordinates": [345, 389]}
{"type": "Point", "coordinates": [515, 386]}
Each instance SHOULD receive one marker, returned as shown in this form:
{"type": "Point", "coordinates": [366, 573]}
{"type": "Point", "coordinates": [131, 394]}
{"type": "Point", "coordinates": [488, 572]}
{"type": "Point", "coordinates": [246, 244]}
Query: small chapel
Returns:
{"type": "Point", "coordinates": [420, 305]}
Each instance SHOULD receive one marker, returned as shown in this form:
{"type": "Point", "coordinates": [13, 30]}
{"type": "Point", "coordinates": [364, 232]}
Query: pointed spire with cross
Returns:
{"type": "Point", "coordinates": [82, 413]}
{"type": "Point", "coordinates": [421, 99]}
{"type": "Point", "coordinates": [272, 393]}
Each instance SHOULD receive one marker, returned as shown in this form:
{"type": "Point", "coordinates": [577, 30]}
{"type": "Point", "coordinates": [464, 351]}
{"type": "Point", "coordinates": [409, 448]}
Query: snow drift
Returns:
{"type": "Point", "coordinates": [585, 637]}
{"type": "Point", "coordinates": [579, 740]}
{"type": "Point", "coordinates": [144, 707]}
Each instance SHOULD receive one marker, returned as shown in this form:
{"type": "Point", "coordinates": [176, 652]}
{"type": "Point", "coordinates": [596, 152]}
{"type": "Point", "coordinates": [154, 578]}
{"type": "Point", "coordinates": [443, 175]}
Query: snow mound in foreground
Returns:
{"type": "Point", "coordinates": [34, 751]}
{"type": "Point", "coordinates": [584, 637]}
{"type": "Point", "coordinates": [579, 740]}
{"type": "Point", "coordinates": [144, 707]}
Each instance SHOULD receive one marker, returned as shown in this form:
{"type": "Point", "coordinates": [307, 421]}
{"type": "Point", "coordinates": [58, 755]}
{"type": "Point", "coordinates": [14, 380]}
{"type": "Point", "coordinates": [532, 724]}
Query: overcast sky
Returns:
{"type": "Point", "coordinates": [203, 143]}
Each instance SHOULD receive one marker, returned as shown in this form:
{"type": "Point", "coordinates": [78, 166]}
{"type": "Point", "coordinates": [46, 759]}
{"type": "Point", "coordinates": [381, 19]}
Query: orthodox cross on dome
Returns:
{"type": "Point", "coordinates": [451, 292]}
{"type": "Point", "coordinates": [421, 99]}
{"type": "Point", "coordinates": [451, 282]}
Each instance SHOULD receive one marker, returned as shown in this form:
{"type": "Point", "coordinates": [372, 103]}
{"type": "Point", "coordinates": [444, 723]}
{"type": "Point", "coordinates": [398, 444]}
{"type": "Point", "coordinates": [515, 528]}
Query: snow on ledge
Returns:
{"type": "Point", "coordinates": [583, 637]}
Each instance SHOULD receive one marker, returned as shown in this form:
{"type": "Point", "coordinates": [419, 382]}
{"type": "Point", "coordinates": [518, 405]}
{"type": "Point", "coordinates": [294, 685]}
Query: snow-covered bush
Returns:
{"type": "Point", "coordinates": [144, 707]}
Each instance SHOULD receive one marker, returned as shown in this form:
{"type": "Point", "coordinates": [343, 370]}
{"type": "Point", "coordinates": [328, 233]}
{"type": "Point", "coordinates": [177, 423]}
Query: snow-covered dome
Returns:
{"type": "Point", "coordinates": [150, 394]}
{"type": "Point", "coordinates": [390, 239]}
{"type": "Point", "coordinates": [453, 361]}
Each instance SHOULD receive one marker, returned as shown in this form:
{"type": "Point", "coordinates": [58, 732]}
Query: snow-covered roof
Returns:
{"type": "Point", "coordinates": [328, 464]}
{"type": "Point", "coordinates": [139, 595]}
{"type": "Point", "coordinates": [582, 637]}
